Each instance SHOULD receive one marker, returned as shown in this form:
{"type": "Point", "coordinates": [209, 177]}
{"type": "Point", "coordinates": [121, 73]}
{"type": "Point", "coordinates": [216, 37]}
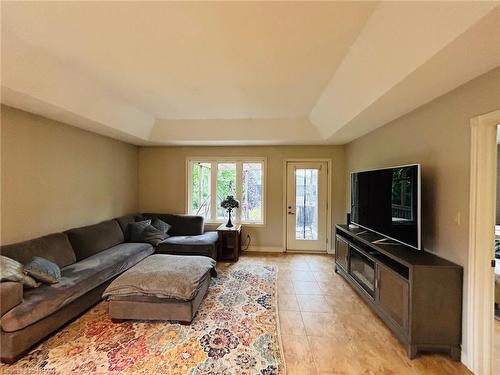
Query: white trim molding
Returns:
{"type": "Point", "coordinates": [330, 247]}
{"type": "Point", "coordinates": [238, 161]}
{"type": "Point", "coordinates": [477, 354]}
{"type": "Point", "coordinates": [265, 249]}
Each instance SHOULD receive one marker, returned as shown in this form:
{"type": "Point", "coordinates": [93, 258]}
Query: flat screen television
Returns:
{"type": "Point", "coordinates": [387, 201]}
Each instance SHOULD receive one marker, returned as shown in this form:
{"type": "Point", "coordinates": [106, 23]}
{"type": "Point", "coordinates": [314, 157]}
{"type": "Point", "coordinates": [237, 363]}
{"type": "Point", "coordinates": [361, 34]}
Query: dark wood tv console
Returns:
{"type": "Point", "coordinates": [416, 293]}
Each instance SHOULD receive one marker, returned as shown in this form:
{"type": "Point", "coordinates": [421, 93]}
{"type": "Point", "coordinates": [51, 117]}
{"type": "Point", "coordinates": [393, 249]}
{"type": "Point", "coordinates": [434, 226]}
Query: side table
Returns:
{"type": "Point", "coordinates": [229, 242]}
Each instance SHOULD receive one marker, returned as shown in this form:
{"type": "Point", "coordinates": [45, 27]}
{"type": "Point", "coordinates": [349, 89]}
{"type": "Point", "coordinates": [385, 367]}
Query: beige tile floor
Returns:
{"type": "Point", "coordinates": [327, 329]}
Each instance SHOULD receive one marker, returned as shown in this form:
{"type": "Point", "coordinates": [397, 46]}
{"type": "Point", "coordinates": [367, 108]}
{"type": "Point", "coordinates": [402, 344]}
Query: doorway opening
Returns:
{"type": "Point", "coordinates": [478, 351]}
{"type": "Point", "coordinates": [306, 205]}
{"type": "Point", "coordinates": [496, 256]}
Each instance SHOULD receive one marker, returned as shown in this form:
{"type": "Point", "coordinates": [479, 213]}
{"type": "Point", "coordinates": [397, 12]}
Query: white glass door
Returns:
{"type": "Point", "coordinates": [306, 206]}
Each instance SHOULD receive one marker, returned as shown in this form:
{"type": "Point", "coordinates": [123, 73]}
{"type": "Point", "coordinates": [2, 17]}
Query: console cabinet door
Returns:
{"type": "Point", "coordinates": [341, 253]}
{"type": "Point", "coordinates": [392, 295]}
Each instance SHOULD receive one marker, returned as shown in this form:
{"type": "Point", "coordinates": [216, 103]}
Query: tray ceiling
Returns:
{"type": "Point", "coordinates": [242, 72]}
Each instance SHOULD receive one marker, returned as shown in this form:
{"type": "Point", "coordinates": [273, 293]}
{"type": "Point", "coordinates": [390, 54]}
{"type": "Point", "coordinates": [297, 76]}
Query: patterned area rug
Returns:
{"type": "Point", "coordinates": [235, 332]}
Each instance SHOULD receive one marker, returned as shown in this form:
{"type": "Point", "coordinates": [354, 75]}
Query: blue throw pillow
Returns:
{"type": "Point", "coordinates": [43, 270]}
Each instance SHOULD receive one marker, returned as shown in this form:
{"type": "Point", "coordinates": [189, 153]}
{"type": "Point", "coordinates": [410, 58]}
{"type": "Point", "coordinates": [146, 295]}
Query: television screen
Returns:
{"type": "Point", "coordinates": [387, 201]}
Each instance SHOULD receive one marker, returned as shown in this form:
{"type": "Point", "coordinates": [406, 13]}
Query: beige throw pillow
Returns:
{"type": "Point", "coordinates": [11, 270]}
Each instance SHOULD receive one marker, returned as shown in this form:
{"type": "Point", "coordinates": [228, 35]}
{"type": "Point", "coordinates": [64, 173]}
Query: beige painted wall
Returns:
{"type": "Point", "coordinates": [498, 186]}
{"type": "Point", "coordinates": [437, 135]}
{"type": "Point", "coordinates": [56, 176]}
{"type": "Point", "coordinates": [162, 176]}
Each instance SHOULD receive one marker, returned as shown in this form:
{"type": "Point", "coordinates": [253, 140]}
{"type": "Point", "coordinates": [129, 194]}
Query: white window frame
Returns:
{"type": "Point", "coordinates": [213, 181]}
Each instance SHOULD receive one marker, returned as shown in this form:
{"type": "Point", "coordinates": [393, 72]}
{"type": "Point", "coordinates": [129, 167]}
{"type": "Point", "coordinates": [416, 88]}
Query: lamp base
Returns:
{"type": "Point", "coordinates": [229, 224]}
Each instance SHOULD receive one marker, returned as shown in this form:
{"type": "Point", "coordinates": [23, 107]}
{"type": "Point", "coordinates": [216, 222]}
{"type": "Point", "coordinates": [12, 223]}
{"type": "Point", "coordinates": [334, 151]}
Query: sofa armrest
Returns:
{"type": "Point", "coordinates": [11, 295]}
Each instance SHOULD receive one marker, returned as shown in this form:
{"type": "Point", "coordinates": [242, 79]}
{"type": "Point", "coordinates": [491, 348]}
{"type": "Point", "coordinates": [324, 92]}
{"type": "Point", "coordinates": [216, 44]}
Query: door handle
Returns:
{"type": "Point", "coordinates": [291, 213]}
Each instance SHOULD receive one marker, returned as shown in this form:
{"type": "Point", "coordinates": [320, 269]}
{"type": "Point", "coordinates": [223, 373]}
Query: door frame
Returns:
{"type": "Point", "coordinates": [329, 203]}
{"type": "Point", "coordinates": [478, 355]}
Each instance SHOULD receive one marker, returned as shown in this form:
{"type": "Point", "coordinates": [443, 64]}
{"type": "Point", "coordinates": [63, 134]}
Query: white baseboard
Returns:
{"type": "Point", "coordinates": [265, 249]}
{"type": "Point", "coordinates": [305, 252]}
{"type": "Point", "coordinates": [464, 358]}
{"type": "Point", "coordinates": [278, 249]}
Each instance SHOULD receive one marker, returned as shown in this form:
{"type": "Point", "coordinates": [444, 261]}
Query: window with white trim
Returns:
{"type": "Point", "coordinates": [210, 181]}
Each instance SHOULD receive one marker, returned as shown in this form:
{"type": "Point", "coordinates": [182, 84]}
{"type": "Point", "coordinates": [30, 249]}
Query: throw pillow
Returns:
{"type": "Point", "coordinates": [12, 270]}
{"type": "Point", "coordinates": [153, 235]}
{"type": "Point", "coordinates": [161, 225]}
{"type": "Point", "coordinates": [43, 270]}
{"type": "Point", "coordinates": [134, 230]}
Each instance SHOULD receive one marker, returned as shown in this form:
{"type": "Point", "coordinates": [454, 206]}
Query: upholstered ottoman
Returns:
{"type": "Point", "coordinates": [161, 287]}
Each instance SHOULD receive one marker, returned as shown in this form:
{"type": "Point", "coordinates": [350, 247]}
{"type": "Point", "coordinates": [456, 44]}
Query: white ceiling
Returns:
{"type": "Point", "coordinates": [242, 72]}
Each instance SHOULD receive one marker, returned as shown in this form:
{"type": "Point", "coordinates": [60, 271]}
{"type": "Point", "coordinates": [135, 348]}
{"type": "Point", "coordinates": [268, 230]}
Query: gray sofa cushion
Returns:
{"type": "Point", "coordinates": [54, 247]}
{"type": "Point", "coordinates": [203, 244]}
{"type": "Point", "coordinates": [123, 221]}
{"type": "Point", "coordinates": [90, 240]}
{"type": "Point", "coordinates": [77, 279]}
{"type": "Point", "coordinates": [182, 225]}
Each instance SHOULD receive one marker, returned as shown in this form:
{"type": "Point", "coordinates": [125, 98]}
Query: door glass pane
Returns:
{"type": "Point", "coordinates": [226, 185]}
{"type": "Point", "coordinates": [200, 189]}
{"type": "Point", "coordinates": [251, 193]}
{"type": "Point", "coordinates": [306, 204]}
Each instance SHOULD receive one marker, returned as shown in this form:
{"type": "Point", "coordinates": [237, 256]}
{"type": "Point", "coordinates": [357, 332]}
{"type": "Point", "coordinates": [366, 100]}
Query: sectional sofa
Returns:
{"type": "Point", "coordinates": [90, 258]}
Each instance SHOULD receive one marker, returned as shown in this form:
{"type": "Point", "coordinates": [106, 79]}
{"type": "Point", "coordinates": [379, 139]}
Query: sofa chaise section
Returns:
{"type": "Point", "coordinates": [203, 244]}
{"type": "Point", "coordinates": [187, 236]}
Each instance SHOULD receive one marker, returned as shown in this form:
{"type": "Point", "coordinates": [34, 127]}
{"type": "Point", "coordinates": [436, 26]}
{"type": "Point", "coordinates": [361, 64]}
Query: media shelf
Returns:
{"type": "Point", "coordinates": [417, 294]}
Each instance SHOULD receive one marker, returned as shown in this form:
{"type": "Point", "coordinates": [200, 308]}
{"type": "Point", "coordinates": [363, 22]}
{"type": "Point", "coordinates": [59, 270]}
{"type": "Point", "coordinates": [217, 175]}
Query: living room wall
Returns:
{"type": "Point", "coordinates": [436, 135]}
{"type": "Point", "coordinates": [162, 176]}
{"type": "Point", "coordinates": [56, 176]}
{"type": "Point", "coordinates": [498, 186]}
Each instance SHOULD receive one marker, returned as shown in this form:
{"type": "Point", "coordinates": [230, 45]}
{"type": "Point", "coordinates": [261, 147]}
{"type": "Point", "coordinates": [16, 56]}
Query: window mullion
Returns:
{"type": "Point", "coordinates": [239, 179]}
{"type": "Point", "coordinates": [190, 188]}
{"type": "Point", "coordinates": [263, 196]}
{"type": "Point", "coordinates": [200, 184]}
{"type": "Point", "coordinates": [213, 192]}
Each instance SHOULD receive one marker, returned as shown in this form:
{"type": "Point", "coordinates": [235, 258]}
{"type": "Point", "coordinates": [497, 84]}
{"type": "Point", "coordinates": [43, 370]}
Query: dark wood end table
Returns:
{"type": "Point", "coordinates": [229, 242]}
